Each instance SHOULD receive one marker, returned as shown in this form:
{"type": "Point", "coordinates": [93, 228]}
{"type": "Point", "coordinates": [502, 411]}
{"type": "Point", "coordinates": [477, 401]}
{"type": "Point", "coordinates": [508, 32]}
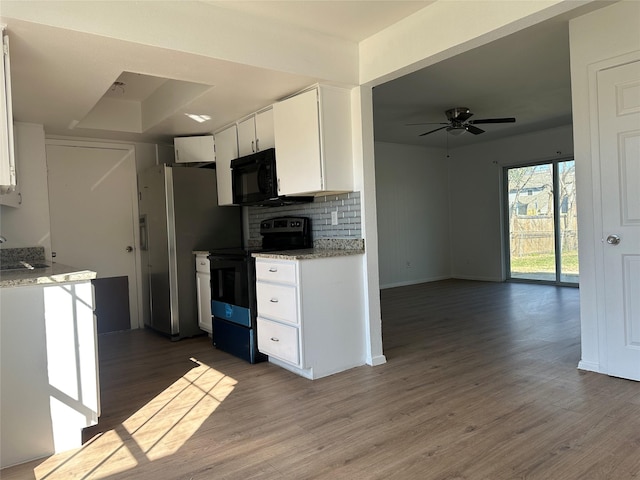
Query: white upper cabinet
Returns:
{"type": "Point", "coordinates": [194, 149]}
{"type": "Point", "coordinates": [255, 133]}
{"type": "Point", "coordinates": [313, 142]}
{"type": "Point", "coordinates": [7, 160]}
{"type": "Point", "coordinates": [226, 142]}
{"type": "Point", "coordinates": [14, 198]}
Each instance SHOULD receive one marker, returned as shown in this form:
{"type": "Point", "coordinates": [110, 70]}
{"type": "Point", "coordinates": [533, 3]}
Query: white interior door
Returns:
{"type": "Point", "coordinates": [619, 135]}
{"type": "Point", "coordinates": [93, 208]}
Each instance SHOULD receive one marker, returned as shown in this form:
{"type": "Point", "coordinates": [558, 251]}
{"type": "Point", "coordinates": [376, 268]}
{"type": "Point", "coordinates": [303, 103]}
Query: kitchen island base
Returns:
{"type": "Point", "coordinates": [49, 363]}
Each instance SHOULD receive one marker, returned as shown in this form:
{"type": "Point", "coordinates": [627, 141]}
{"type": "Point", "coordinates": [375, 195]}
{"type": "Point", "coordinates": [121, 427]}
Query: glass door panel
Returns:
{"type": "Point", "coordinates": [567, 222]}
{"type": "Point", "coordinates": [530, 208]}
{"type": "Point", "coordinates": [542, 232]}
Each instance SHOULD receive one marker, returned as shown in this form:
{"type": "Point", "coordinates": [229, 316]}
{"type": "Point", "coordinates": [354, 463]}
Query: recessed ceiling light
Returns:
{"type": "Point", "coordinates": [198, 118]}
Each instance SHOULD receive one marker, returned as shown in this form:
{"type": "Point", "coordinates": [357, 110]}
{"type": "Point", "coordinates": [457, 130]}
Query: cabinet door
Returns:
{"type": "Point", "coordinates": [194, 149]}
{"type": "Point", "coordinates": [203, 294]}
{"type": "Point", "coordinates": [247, 136]}
{"type": "Point", "coordinates": [226, 143]}
{"type": "Point", "coordinates": [14, 199]}
{"type": "Point", "coordinates": [264, 130]}
{"type": "Point", "coordinates": [7, 159]}
{"type": "Point", "coordinates": [297, 139]}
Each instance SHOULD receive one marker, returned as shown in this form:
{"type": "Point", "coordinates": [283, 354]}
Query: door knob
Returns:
{"type": "Point", "coordinates": [613, 239]}
{"type": "Point", "coordinates": [129, 249]}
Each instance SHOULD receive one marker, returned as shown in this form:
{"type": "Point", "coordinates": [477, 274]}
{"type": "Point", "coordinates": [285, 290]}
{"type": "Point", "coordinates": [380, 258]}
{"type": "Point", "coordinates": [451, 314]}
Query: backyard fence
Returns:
{"type": "Point", "coordinates": [532, 235]}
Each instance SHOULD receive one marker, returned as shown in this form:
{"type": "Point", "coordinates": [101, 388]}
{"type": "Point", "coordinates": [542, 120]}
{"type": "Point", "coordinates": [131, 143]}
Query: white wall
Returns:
{"type": "Point", "coordinates": [413, 214]}
{"type": "Point", "coordinates": [28, 225]}
{"type": "Point", "coordinates": [594, 38]}
{"type": "Point", "coordinates": [475, 196]}
{"type": "Point", "coordinates": [443, 215]}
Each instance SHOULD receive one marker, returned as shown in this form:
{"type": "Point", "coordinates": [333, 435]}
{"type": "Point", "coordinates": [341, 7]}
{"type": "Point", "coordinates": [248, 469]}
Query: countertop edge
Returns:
{"type": "Point", "coordinates": [55, 274]}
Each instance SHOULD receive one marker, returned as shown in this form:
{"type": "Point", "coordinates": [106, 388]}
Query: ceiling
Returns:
{"type": "Point", "coordinates": [525, 75]}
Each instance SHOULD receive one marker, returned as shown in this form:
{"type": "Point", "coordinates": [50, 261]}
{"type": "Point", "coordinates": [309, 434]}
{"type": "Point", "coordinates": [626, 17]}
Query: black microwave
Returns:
{"type": "Point", "coordinates": [255, 181]}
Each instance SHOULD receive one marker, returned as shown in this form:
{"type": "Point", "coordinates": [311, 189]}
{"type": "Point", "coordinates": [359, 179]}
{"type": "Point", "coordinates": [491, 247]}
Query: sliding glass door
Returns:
{"type": "Point", "coordinates": [542, 235]}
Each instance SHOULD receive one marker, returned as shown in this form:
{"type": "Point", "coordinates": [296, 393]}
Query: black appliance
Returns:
{"type": "Point", "coordinates": [255, 181]}
{"type": "Point", "coordinates": [233, 285]}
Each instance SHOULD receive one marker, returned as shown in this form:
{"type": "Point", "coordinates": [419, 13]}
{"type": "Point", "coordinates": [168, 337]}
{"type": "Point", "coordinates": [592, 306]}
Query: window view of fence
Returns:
{"type": "Point", "coordinates": [543, 229]}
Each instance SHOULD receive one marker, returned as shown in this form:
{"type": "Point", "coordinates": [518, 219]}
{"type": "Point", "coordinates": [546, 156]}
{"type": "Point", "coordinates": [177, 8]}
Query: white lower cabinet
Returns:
{"type": "Point", "coordinates": [310, 314]}
{"type": "Point", "coordinates": [203, 293]}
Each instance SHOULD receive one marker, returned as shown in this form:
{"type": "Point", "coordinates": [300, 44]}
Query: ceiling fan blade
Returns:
{"type": "Point", "coordinates": [472, 129]}
{"type": "Point", "coordinates": [493, 120]}
{"type": "Point", "coordinates": [463, 116]}
{"type": "Point", "coordinates": [431, 131]}
{"type": "Point", "coordinates": [428, 123]}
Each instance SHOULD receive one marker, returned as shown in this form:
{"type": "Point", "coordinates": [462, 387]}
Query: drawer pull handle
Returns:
{"type": "Point", "coordinates": [273, 269]}
{"type": "Point", "coordinates": [274, 339]}
{"type": "Point", "coordinates": [274, 300]}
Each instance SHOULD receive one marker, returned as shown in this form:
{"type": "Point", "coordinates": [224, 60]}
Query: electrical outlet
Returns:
{"type": "Point", "coordinates": [408, 264]}
{"type": "Point", "coordinates": [334, 217]}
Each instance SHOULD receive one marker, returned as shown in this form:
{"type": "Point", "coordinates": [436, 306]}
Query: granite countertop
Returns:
{"type": "Point", "coordinates": [308, 254]}
{"type": "Point", "coordinates": [56, 273]}
{"type": "Point", "coordinates": [322, 248]}
{"type": "Point", "coordinates": [43, 274]}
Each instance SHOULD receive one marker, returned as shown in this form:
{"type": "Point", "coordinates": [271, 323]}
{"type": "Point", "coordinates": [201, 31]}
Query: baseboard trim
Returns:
{"type": "Point", "coordinates": [377, 360]}
{"type": "Point", "coordinates": [477, 278]}
{"type": "Point", "coordinates": [589, 366]}
{"type": "Point", "coordinates": [412, 282]}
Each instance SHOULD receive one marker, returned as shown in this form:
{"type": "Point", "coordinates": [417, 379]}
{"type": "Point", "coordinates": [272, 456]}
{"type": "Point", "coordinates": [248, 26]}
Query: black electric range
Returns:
{"type": "Point", "coordinates": [233, 285]}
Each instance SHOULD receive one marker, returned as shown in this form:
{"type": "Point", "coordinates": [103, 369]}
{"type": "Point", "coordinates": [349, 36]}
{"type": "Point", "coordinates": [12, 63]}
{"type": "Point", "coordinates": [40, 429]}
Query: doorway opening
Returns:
{"type": "Point", "coordinates": [541, 229]}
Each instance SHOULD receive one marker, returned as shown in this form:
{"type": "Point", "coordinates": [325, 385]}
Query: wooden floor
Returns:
{"type": "Point", "coordinates": [480, 383]}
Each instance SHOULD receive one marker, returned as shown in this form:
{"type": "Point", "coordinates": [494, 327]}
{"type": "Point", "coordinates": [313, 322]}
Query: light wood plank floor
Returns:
{"type": "Point", "coordinates": [480, 383]}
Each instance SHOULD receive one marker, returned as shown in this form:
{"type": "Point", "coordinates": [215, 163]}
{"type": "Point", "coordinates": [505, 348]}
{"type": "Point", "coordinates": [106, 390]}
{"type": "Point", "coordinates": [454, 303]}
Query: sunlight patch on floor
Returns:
{"type": "Point", "coordinates": [157, 430]}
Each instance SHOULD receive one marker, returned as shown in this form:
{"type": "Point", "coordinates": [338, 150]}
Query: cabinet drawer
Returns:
{"type": "Point", "coordinates": [202, 264]}
{"type": "Point", "coordinates": [284, 272]}
{"type": "Point", "coordinates": [277, 301]}
{"type": "Point", "coordinates": [278, 340]}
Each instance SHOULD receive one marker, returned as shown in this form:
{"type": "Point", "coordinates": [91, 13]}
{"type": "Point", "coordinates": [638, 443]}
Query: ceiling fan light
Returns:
{"type": "Point", "coordinates": [455, 131]}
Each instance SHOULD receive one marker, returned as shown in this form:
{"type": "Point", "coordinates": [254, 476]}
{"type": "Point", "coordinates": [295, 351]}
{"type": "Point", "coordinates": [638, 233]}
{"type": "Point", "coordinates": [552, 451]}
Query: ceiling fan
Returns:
{"type": "Point", "coordinates": [458, 123]}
